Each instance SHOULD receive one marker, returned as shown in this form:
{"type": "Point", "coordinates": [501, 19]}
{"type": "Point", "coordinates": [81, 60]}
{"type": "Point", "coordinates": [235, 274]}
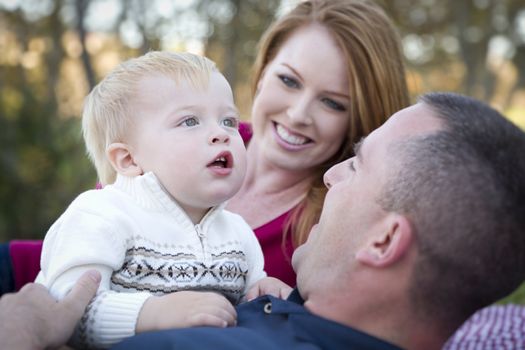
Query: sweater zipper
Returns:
{"type": "Point", "coordinates": [202, 236]}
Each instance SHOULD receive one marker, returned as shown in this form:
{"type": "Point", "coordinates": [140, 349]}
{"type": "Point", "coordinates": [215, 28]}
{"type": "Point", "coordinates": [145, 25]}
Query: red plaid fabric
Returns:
{"type": "Point", "coordinates": [494, 327]}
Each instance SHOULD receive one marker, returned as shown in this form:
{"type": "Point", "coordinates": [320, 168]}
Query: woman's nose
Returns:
{"type": "Point", "coordinates": [300, 112]}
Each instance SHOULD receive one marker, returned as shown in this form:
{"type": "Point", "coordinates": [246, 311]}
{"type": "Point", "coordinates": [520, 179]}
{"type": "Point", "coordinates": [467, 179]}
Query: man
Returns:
{"type": "Point", "coordinates": [418, 230]}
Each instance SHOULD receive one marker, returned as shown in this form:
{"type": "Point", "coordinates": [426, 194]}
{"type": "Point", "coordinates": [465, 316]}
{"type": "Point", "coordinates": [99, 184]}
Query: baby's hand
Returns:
{"type": "Point", "coordinates": [271, 286]}
{"type": "Point", "coordinates": [186, 309]}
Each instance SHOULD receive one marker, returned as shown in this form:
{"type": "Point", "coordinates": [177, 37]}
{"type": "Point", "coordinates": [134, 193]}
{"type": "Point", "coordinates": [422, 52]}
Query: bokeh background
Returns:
{"type": "Point", "coordinates": [52, 52]}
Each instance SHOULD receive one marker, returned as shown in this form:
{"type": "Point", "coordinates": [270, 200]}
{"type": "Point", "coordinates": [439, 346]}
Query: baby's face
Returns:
{"type": "Point", "coordinates": [189, 139]}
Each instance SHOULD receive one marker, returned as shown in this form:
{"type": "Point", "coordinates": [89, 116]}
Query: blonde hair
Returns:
{"type": "Point", "coordinates": [107, 114]}
{"type": "Point", "coordinates": [376, 74]}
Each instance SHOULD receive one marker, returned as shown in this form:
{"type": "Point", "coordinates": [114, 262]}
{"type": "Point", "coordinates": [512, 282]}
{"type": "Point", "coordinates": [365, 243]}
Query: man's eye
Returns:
{"type": "Point", "coordinates": [336, 106]}
{"type": "Point", "coordinates": [190, 121]}
{"type": "Point", "coordinates": [289, 81]}
{"type": "Point", "coordinates": [230, 122]}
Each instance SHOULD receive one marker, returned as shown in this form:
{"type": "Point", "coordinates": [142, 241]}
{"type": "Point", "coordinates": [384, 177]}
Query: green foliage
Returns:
{"type": "Point", "coordinates": [517, 297]}
{"type": "Point", "coordinates": [43, 168]}
{"type": "Point", "coordinates": [41, 152]}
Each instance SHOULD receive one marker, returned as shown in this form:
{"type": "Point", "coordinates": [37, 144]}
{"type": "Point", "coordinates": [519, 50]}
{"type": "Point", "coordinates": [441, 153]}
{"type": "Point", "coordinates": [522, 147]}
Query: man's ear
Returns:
{"type": "Point", "coordinates": [391, 245]}
{"type": "Point", "coordinates": [119, 155]}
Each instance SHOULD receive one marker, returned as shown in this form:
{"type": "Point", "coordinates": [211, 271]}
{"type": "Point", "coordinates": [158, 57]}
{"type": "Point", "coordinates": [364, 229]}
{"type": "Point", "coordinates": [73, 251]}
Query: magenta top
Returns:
{"type": "Point", "coordinates": [25, 258]}
{"type": "Point", "coordinates": [277, 254]}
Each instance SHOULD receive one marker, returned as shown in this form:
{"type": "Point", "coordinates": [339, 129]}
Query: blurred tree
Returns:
{"type": "Point", "coordinates": [516, 12]}
{"type": "Point", "coordinates": [38, 148]}
{"type": "Point", "coordinates": [235, 27]}
{"type": "Point", "coordinates": [80, 7]}
{"type": "Point", "coordinates": [465, 42]}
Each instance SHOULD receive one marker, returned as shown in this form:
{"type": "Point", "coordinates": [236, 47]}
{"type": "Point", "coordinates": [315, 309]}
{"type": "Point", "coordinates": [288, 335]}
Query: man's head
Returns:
{"type": "Point", "coordinates": [463, 189]}
{"type": "Point", "coordinates": [431, 209]}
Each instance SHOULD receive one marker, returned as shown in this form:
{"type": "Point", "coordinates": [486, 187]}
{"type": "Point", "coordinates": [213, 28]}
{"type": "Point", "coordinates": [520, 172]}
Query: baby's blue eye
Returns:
{"type": "Point", "coordinates": [230, 122]}
{"type": "Point", "coordinates": [190, 121]}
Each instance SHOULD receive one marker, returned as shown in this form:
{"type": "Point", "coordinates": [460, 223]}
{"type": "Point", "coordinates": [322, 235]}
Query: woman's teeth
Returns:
{"type": "Point", "coordinates": [291, 139]}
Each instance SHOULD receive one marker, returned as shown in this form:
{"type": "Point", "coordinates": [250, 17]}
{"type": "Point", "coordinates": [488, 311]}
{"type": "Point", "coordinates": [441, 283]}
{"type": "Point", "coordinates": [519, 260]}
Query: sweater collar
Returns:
{"type": "Point", "coordinates": [147, 191]}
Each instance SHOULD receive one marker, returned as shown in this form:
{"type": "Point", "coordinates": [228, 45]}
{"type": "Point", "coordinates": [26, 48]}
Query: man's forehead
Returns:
{"type": "Point", "coordinates": [415, 120]}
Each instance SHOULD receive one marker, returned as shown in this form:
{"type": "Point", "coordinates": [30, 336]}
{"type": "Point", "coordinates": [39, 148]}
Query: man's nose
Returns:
{"type": "Point", "coordinates": [300, 111]}
{"type": "Point", "coordinates": [333, 175]}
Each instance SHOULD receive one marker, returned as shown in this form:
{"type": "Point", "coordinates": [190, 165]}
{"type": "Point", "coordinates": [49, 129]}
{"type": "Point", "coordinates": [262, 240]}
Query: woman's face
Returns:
{"type": "Point", "coordinates": [300, 113]}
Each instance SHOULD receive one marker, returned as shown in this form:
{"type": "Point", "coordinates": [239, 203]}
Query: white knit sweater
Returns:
{"type": "Point", "coordinates": [144, 244]}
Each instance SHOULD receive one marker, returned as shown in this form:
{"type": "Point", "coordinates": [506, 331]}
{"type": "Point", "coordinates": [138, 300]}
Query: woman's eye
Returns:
{"type": "Point", "coordinates": [190, 121]}
{"type": "Point", "coordinates": [336, 106]}
{"type": "Point", "coordinates": [289, 81]}
{"type": "Point", "coordinates": [230, 122]}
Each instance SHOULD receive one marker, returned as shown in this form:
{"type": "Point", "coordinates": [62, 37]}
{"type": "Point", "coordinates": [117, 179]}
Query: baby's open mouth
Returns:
{"type": "Point", "coordinates": [223, 160]}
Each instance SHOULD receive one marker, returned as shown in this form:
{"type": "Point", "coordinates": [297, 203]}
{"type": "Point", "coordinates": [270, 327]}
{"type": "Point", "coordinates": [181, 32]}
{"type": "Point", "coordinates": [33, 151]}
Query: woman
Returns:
{"type": "Point", "coordinates": [327, 73]}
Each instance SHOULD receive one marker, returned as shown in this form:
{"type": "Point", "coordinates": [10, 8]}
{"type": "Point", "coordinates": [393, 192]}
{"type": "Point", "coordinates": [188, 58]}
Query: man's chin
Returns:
{"type": "Point", "coordinates": [297, 256]}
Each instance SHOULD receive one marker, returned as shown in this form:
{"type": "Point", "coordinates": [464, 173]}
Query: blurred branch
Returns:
{"type": "Point", "coordinates": [80, 9]}
{"type": "Point", "coordinates": [232, 41]}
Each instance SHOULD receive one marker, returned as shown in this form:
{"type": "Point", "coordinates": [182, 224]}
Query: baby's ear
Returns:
{"type": "Point", "coordinates": [120, 157]}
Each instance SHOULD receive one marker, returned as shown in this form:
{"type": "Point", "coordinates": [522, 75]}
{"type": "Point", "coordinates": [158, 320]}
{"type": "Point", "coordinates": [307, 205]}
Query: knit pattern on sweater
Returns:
{"type": "Point", "coordinates": [149, 269]}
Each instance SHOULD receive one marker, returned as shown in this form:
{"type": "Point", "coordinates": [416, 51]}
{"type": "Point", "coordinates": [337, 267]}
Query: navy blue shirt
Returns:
{"type": "Point", "coordinates": [265, 323]}
{"type": "Point", "coordinates": [7, 280]}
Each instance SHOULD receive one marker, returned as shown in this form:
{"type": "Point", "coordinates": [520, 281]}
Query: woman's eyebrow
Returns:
{"type": "Point", "coordinates": [293, 70]}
